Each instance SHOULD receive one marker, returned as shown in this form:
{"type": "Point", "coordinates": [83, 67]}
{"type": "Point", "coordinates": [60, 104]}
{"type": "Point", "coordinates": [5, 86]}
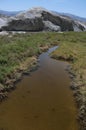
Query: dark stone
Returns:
{"type": "Point", "coordinates": [35, 24]}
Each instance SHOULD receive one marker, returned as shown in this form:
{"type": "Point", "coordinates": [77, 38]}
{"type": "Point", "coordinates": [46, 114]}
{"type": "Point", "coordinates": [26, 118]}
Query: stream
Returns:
{"type": "Point", "coordinates": [42, 101]}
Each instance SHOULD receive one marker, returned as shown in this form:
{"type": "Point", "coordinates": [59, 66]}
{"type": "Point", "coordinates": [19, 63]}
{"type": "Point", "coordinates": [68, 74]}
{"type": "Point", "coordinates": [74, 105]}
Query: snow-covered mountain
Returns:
{"type": "Point", "coordinates": [39, 19]}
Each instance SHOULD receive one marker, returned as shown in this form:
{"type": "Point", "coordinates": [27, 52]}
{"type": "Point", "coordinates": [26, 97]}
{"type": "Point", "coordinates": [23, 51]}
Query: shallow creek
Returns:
{"type": "Point", "coordinates": [42, 101]}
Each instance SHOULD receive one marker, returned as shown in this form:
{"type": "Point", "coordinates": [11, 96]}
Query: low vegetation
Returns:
{"type": "Point", "coordinates": [15, 49]}
{"type": "Point", "coordinates": [73, 49]}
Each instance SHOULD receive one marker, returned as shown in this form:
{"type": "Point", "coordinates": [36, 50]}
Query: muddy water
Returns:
{"type": "Point", "coordinates": [42, 101]}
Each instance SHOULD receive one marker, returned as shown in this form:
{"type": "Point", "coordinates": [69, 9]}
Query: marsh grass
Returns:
{"type": "Point", "coordinates": [73, 49]}
{"type": "Point", "coordinates": [15, 49]}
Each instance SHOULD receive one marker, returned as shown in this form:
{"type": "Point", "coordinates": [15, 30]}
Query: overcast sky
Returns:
{"type": "Point", "coordinates": [77, 7]}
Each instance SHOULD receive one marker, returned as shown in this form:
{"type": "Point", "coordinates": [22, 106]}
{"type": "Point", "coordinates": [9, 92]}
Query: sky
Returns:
{"type": "Point", "coordinates": [77, 7]}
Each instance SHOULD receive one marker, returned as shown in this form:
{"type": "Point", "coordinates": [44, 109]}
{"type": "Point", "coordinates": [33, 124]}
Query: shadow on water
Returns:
{"type": "Point", "coordinates": [42, 101]}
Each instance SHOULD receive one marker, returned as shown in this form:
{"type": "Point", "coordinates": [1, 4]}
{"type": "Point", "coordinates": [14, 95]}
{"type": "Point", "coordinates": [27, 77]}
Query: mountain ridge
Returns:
{"type": "Point", "coordinates": [41, 19]}
{"type": "Point", "coordinates": [9, 13]}
{"type": "Point", "coordinates": [13, 13]}
{"type": "Point", "coordinates": [74, 17]}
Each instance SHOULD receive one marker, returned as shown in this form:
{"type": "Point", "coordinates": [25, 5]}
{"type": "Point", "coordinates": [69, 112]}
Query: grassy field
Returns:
{"type": "Point", "coordinates": [73, 49]}
{"type": "Point", "coordinates": [15, 49]}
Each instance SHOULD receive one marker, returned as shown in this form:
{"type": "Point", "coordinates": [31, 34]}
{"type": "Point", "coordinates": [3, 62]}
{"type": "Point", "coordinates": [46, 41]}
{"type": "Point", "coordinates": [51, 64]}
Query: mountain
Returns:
{"type": "Point", "coordinates": [9, 13]}
{"type": "Point", "coordinates": [74, 17]}
{"type": "Point", "coordinates": [40, 19]}
{"type": "Point", "coordinates": [3, 20]}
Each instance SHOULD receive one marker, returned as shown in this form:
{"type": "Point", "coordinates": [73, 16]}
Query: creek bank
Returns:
{"type": "Point", "coordinates": [25, 68]}
{"type": "Point", "coordinates": [76, 86]}
{"type": "Point", "coordinates": [12, 78]}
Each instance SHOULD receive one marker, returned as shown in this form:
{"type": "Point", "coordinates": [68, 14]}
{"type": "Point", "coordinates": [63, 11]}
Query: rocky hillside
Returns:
{"type": "Point", "coordinates": [3, 20]}
{"type": "Point", "coordinates": [40, 19]}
